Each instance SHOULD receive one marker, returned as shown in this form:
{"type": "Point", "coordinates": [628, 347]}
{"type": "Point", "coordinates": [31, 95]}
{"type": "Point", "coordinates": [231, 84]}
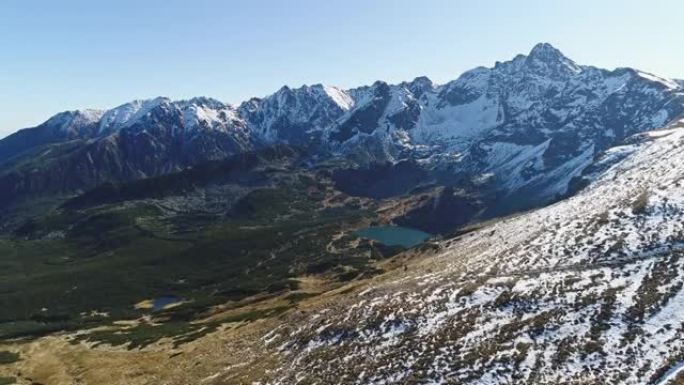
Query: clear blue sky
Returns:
{"type": "Point", "coordinates": [59, 55]}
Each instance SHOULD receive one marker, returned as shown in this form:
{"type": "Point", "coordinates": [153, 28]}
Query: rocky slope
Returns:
{"type": "Point", "coordinates": [585, 291]}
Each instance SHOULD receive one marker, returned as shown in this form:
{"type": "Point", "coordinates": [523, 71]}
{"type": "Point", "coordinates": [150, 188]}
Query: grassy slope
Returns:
{"type": "Point", "coordinates": [106, 259]}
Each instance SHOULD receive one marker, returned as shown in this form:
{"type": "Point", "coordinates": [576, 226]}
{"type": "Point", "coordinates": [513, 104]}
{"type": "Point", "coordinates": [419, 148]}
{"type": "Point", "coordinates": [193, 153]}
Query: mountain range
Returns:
{"type": "Point", "coordinates": [517, 135]}
{"type": "Point", "coordinates": [192, 241]}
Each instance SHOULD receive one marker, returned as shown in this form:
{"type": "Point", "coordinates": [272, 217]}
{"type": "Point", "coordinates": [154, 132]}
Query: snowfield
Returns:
{"type": "Point", "coordinates": [585, 291]}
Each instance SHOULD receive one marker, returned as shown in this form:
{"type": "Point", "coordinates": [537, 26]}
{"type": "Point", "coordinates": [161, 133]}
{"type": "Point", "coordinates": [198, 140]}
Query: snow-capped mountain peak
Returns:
{"type": "Point", "coordinates": [547, 59]}
{"type": "Point", "coordinates": [292, 115]}
{"type": "Point", "coordinates": [126, 114]}
{"type": "Point", "coordinates": [70, 122]}
{"type": "Point", "coordinates": [547, 53]}
{"type": "Point", "coordinates": [199, 112]}
{"type": "Point", "coordinates": [209, 114]}
{"type": "Point", "coordinates": [419, 85]}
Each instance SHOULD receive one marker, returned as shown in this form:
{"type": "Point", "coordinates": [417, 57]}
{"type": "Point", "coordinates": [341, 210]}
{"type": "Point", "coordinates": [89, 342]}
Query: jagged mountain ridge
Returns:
{"type": "Point", "coordinates": [521, 131]}
{"type": "Point", "coordinates": [530, 124]}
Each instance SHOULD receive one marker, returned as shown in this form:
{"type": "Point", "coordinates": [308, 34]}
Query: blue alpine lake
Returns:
{"type": "Point", "coordinates": [394, 235]}
{"type": "Point", "coordinates": [160, 303]}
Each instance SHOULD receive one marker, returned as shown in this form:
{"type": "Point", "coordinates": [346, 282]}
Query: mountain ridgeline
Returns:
{"type": "Point", "coordinates": [507, 138]}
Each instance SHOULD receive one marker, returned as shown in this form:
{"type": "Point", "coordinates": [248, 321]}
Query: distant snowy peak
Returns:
{"type": "Point", "coordinates": [546, 57]}
{"type": "Point", "coordinates": [292, 115]}
{"type": "Point", "coordinates": [72, 122]}
{"type": "Point", "coordinates": [126, 114]}
{"type": "Point", "coordinates": [419, 85]}
{"type": "Point", "coordinates": [200, 112]}
{"type": "Point", "coordinates": [298, 97]}
{"type": "Point", "coordinates": [209, 114]}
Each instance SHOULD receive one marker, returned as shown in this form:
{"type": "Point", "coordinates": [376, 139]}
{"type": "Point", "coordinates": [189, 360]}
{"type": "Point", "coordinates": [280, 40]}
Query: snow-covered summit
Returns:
{"type": "Point", "coordinates": [293, 115]}
{"type": "Point", "coordinates": [126, 114]}
{"type": "Point", "coordinates": [544, 56]}
{"type": "Point", "coordinates": [197, 112]}
{"type": "Point", "coordinates": [71, 122]}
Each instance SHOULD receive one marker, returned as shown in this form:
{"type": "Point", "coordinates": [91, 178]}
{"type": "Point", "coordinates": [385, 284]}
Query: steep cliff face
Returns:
{"type": "Point", "coordinates": [295, 116]}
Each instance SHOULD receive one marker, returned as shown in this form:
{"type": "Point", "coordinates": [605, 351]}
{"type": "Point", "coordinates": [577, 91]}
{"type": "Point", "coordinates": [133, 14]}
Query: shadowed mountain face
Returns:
{"type": "Point", "coordinates": [516, 134]}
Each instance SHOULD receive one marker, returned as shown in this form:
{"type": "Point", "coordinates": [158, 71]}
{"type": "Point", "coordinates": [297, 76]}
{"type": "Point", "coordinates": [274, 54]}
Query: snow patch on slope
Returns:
{"type": "Point", "coordinates": [127, 114]}
{"type": "Point", "coordinates": [341, 98]}
{"type": "Point", "coordinates": [589, 290]}
{"type": "Point", "coordinates": [668, 83]}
